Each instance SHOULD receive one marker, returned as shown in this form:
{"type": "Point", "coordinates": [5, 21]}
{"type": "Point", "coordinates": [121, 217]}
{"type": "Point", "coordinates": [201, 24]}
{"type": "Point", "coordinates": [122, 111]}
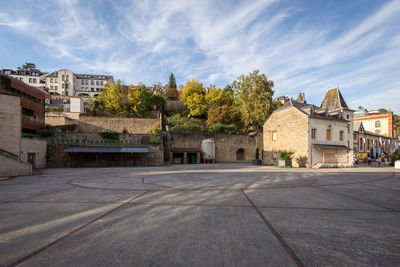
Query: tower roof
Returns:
{"type": "Point", "coordinates": [334, 100]}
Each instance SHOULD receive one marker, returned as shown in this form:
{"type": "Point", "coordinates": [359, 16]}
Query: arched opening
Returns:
{"type": "Point", "coordinates": [240, 154]}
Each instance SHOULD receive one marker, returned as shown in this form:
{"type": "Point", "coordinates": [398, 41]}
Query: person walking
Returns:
{"type": "Point", "coordinates": [379, 160]}
{"type": "Point", "coordinates": [369, 160]}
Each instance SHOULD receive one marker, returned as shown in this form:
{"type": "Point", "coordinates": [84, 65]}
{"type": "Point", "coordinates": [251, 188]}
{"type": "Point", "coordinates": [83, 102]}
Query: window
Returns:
{"type": "Point", "coordinates": [51, 80]}
{"type": "Point", "coordinates": [368, 144]}
{"type": "Point", "coordinates": [67, 77]}
{"type": "Point", "coordinates": [313, 133]}
{"type": "Point", "coordinates": [347, 116]}
{"type": "Point", "coordinates": [82, 81]}
{"type": "Point", "coordinates": [91, 82]}
{"type": "Point", "coordinates": [56, 87]}
{"type": "Point", "coordinates": [377, 124]}
{"type": "Point", "coordinates": [348, 144]}
{"type": "Point", "coordinates": [63, 86]}
{"type": "Point", "coordinates": [101, 82]}
{"type": "Point", "coordinates": [56, 80]}
{"type": "Point", "coordinates": [21, 79]}
{"type": "Point", "coordinates": [341, 134]}
{"type": "Point", "coordinates": [97, 82]}
{"type": "Point", "coordinates": [87, 89]}
{"type": "Point", "coordinates": [361, 143]}
{"type": "Point", "coordinates": [354, 137]}
{"type": "Point", "coordinates": [348, 128]}
{"type": "Point", "coordinates": [92, 89]}
{"type": "Point", "coordinates": [34, 80]}
{"type": "Point", "coordinates": [66, 93]}
{"type": "Point", "coordinates": [328, 134]}
{"type": "Point", "coordinates": [63, 77]}
{"type": "Point", "coordinates": [87, 82]}
{"type": "Point", "coordinates": [98, 89]}
{"type": "Point", "coordinates": [82, 88]}
{"type": "Point", "coordinates": [30, 80]}
{"type": "Point", "coordinates": [66, 86]}
{"type": "Point", "coordinates": [274, 135]}
{"type": "Point", "coordinates": [51, 86]}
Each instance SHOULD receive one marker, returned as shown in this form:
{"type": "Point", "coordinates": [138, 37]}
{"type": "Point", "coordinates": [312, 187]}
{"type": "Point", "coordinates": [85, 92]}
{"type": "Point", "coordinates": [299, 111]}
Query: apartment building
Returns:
{"type": "Point", "coordinates": [63, 82]}
{"type": "Point", "coordinates": [66, 83]}
{"type": "Point", "coordinates": [324, 134]}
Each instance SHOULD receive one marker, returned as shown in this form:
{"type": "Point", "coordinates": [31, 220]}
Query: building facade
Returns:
{"type": "Point", "coordinates": [32, 102]}
{"type": "Point", "coordinates": [66, 83]}
{"type": "Point", "coordinates": [322, 135]}
{"type": "Point", "coordinates": [375, 122]}
{"type": "Point", "coordinates": [63, 82]}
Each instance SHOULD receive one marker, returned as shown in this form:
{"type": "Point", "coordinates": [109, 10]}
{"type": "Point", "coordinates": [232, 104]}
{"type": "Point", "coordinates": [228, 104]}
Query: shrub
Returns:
{"type": "Point", "coordinates": [155, 140]}
{"type": "Point", "coordinates": [109, 135]}
{"type": "Point", "coordinates": [285, 154]}
{"type": "Point", "coordinates": [124, 131]}
{"type": "Point", "coordinates": [302, 161]}
{"type": "Point", "coordinates": [222, 128]}
{"type": "Point", "coordinates": [181, 124]}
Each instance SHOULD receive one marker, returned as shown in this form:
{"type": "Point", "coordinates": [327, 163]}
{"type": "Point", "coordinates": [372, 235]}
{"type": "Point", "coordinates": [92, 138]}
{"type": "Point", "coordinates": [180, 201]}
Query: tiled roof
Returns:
{"type": "Point", "coordinates": [333, 100]}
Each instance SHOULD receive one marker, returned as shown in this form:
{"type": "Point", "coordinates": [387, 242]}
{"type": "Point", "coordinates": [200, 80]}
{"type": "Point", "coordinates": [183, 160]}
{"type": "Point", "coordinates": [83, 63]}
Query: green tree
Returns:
{"type": "Point", "coordinates": [254, 98]}
{"type": "Point", "coordinates": [111, 98]}
{"type": "Point", "coordinates": [28, 66]}
{"type": "Point", "coordinates": [196, 105]}
{"type": "Point", "coordinates": [172, 81]}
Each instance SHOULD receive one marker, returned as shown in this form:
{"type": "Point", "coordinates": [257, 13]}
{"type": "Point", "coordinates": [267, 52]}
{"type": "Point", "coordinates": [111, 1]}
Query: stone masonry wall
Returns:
{"type": "Point", "coordinates": [292, 134]}
{"type": "Point", "coordinates": [10, 124]}
{"type": "Point", "coordinates": [226, 145]}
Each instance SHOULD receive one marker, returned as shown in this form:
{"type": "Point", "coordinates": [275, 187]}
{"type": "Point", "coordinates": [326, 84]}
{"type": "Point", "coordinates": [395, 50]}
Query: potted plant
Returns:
{"type": "Point", "coordinates": [257, 160]}
{"type": "Point", "coordinates": [285, 158]}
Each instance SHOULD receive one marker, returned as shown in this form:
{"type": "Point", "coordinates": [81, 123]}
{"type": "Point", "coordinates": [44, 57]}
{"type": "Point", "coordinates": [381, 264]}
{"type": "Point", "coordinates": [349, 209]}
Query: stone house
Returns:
{"type": "Point", "coordinates": [370, 142]}
{"type": "Point", "coordinates": [323, 135]}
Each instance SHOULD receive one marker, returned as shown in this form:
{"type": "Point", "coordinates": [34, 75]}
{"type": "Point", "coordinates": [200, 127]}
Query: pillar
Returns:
{"type": "Point", "coordinates": [185, 157]}
{"type": "Point", "coordinates": [198, 157]}
{"type": "Point", "coordinates": [171, 157]}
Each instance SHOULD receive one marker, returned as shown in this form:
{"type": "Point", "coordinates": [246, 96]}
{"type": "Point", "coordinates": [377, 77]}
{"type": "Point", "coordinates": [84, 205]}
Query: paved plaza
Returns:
{"type": "Point", "coordinates": [201, 215]}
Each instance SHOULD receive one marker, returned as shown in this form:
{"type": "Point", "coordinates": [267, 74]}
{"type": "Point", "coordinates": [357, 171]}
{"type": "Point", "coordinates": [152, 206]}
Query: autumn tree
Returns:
{"type": "Point", "coordinates": [220, 106]}
{"type": "Point", "coordinates": [254, 98]}
{"type": "Point", "coordinates": [194, 96]}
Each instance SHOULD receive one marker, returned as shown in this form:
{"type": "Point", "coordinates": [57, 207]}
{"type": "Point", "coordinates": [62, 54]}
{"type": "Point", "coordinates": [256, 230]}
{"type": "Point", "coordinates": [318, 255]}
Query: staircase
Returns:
{"type": "Point", "coordinates": [11, 165]}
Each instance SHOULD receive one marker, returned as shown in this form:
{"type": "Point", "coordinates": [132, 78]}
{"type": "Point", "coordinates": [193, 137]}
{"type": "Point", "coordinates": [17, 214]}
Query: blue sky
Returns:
{"type": "Point", "coordinates": [303, 46]}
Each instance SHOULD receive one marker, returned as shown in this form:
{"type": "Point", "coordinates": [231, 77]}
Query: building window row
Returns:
{"type": "Point", "coordinates": [86, 82]}
{"type": "Point", "coordinates": [54, 87]}
{"type": "Point", "coordinates": [32, 80]}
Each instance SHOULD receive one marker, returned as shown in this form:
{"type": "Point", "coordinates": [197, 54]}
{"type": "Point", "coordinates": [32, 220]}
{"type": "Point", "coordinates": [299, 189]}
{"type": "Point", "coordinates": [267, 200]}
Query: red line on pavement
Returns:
{"type": "Point", "coordinates": [275, 232]}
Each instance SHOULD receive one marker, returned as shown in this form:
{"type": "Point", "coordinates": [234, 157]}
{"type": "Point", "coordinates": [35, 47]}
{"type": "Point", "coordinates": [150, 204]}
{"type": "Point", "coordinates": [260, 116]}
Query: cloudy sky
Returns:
{"type": "Point", "coordinates": [303, 46]}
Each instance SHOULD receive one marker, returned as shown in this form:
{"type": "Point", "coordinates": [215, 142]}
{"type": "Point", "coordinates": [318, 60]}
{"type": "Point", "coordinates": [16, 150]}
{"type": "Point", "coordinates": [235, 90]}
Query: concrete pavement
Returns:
{"type": "Point", "coordinates": [201, 215]}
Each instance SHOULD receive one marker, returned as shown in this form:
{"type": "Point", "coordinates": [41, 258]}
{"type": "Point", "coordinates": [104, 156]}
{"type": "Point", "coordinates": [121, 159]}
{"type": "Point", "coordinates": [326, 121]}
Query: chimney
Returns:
{"type": "Point", "coordinates": [301, 98]}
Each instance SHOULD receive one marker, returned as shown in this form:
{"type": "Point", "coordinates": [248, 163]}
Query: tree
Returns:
{"type": "Point", "coordinates": [220, 106]}
{"type": "Point", "coordinates": [171, 93]}
{"type": "Point", "coordinates": [254, 98]}
{"type": "Point", "coordinates": [192, 87]}
{"type": "Point", "coordinates": [196, 105]}
{"type": "Point", "coordinates": [172, 81]}
{"type": "Point", "coordinates": [111, 98]}
{"type": "Point", "coordinates": [28, 66]}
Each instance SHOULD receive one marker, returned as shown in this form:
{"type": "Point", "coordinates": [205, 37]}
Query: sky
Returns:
{"type": "Point", "coordinates": [302, 46]}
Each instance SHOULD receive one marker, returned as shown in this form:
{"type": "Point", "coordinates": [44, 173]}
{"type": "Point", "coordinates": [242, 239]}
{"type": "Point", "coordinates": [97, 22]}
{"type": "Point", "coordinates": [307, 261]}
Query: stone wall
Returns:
{"type": "Point", "coordinates": [10, 124]}
{"type": "Point", "coordinates": [291, 128]}
{"type": "Point", "coordinates": [37, 147]}
{"type": "Point", "coordinates": [95, 124]}
{"type": "Point", "coordinates": [56, 158]}
{"type": "Point", "coordinates": [226, 146]}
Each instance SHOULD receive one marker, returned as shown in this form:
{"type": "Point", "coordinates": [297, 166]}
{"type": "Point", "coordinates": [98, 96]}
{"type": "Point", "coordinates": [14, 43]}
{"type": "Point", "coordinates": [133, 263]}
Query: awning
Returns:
{"type": "Point", "coordinates": [106, 149]}
{"type": "Point", "coordinates": [331, 147]}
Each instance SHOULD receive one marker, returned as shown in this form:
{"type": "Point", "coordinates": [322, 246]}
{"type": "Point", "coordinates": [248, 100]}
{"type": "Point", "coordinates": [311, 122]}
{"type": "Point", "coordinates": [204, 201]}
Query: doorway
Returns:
{"type": "Point", "coordinates": [32, 159]}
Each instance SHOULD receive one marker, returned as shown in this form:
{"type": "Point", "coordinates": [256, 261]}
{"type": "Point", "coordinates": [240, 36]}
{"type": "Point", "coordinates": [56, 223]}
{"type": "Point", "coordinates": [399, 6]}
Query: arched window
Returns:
{"type": "Point", "coordinates": [240, 154]}
{"type": "Point", "coordinates": [361, 143]}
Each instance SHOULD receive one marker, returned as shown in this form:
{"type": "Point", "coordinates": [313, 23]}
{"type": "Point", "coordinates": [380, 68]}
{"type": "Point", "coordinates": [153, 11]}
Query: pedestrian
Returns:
{"type": "Point", "coordinates": [386, 161]}
{"type": "Point", "coordinates": [379, 161]}
{"type": "Point", "coordinates": [369, 160]}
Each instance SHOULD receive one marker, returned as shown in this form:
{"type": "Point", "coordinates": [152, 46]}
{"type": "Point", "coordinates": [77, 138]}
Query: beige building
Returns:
{"type": "Point", "coordinates": [66, 83]}
{"type": "Point", "coordinates": [377, 123]}
{"type": "Point", "coordinates": [324, 135]}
